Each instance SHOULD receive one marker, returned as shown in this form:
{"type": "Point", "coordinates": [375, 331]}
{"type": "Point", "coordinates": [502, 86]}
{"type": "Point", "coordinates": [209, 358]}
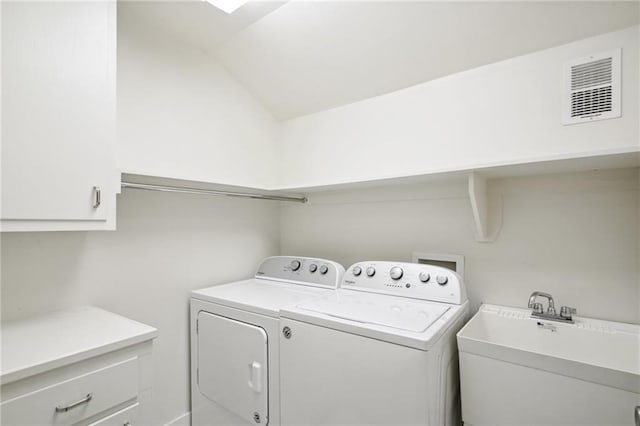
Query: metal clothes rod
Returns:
{"type": "Point", "coordinates": [166, 188]}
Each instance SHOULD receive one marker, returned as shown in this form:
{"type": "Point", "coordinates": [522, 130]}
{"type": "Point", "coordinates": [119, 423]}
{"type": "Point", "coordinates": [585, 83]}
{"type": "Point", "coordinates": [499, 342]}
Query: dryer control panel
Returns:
{"type": "Point", "coordinates": [414, 280]}
{"type": "Point", "coordinates": [301, 270]}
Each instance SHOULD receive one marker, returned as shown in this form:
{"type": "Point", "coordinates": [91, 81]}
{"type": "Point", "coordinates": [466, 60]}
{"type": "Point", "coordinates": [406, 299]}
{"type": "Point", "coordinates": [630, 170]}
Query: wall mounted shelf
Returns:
{"type": "Point", "coordinates": [605, 160]}
{"type": "Point", "coordinates": [486, 205]}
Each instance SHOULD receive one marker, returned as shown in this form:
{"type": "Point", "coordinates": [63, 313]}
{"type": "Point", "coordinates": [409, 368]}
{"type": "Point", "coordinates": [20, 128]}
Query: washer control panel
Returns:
{"type": "Point", "coordinates": [302, 270]}
{"type": "Point", "coordinates": [418, 281]}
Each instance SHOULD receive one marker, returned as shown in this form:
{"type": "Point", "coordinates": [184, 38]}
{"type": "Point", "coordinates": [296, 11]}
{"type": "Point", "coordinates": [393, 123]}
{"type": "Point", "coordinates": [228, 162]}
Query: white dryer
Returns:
{"type": "Point", "coordinates": [381, 350]}
{"type": "Point", "coordinates": [234, 339]}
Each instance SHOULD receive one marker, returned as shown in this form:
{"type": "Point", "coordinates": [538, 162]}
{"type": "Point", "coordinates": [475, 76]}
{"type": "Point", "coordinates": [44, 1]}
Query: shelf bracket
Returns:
{"type": "Point", "coordinates": [486, 209]}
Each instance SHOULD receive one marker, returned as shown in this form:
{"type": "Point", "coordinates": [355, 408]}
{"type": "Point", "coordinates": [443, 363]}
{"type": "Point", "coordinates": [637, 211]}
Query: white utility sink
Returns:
{"type": "Point", "coordinates": [516, 370]}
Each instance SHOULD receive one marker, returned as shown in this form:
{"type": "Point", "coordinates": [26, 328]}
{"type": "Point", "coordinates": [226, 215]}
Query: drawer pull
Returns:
{"type": "Point", "coordinates": [74, 404]}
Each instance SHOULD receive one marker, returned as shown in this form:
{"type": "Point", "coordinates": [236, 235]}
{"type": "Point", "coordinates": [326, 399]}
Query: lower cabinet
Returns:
{"type": "Point", "coordinates": [108, 390]}
{"type": "Point", "coordinates": [75, 399]}
{"type": "Point", "coordinates": [83, 366]}
{"type": "Point", "coordinates": [126, 417]}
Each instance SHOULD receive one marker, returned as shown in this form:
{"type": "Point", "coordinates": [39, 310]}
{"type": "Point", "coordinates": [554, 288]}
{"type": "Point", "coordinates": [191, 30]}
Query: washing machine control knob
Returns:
{"type": "Point", "coordinates": [313, 267]}
{"type": "Point", "coordinates": [424, 277]}
{"type": "Point", "coordinates": [295, 265]}
{"type": "Point", "coordinates": [324, 269]}
{"type": "Point", "coordinates": [442, 279]}
{"type": "Point", "coordinates": [356, 271]}
{"type": "Point", "coordinates": [371, 271]}
{"type": "Point", "coordinates": [396, 273]}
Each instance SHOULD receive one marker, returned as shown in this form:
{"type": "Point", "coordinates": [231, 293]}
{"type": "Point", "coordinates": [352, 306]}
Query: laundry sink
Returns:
{"type": "Point", "coordinates": [519, 370]}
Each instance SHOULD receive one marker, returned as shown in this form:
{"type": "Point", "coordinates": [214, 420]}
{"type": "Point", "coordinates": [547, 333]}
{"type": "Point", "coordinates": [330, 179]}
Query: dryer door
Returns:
{"type": "Point", "coordinates": [232, 366]}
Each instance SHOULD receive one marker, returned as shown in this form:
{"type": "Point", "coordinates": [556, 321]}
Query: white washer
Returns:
{"type": "Point", "coordinates": [381, 350]}
{"type": "Point", "coordinates": [234, 339]}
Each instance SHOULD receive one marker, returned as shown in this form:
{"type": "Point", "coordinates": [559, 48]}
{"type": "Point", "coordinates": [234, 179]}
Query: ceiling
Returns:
{"type": "Point", "coordinates": [196, 22]}
{"type": "Point", "coordinates": [303, 57]}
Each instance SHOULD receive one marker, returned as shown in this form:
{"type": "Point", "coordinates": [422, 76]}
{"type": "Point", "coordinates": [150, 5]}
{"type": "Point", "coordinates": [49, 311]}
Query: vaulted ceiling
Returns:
{"type": "Point", "coordinates": [302, 57]}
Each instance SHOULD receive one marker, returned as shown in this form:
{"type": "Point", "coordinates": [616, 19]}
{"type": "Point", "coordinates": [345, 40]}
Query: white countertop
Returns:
{"type": "Point", "coordinates": [34, 345]}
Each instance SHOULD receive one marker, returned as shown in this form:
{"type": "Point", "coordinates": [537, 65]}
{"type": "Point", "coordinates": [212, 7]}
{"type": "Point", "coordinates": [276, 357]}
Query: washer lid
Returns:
{"type": "Point", "coordinates": [260, 296]}
{"type": "Point", "coordinates": [394, 312]}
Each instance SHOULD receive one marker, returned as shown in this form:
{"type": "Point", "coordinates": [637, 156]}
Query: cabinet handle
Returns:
{"type": "Point", "coordinates": [96, 199]}
{"type": "Point", "coordinates": [74, 404]}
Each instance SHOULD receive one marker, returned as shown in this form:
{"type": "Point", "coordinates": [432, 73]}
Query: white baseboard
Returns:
{"type": "Point", "coordinates": [182, 420]}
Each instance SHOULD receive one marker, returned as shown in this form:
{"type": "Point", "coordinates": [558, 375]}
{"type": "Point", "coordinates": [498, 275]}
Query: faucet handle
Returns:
{"type": "Point", "coordinates": [536, 306]}
{"type": "Point", "coordinates": [567, 312]}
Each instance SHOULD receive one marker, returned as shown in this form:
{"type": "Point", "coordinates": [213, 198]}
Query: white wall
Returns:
{"type": "Point", "coordinates": [181, 115]}
{"type": "Point", "coordinates": [573, 235]}
{"type": "Point", "coordinates": [165, 246]}
{"type": "Point", "coordinates": [501, 113]}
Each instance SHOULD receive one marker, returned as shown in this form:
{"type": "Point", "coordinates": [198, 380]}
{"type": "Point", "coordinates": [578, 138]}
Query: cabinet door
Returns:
{"type": "Point", "coordinates": [232, 366]}
{"type": "Point", "coordinates": [58, 111]}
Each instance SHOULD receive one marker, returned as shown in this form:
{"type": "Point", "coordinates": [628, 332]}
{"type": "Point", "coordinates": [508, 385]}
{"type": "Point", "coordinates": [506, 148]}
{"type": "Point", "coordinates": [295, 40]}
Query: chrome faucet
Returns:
{"type": "Point", "coordinates": [566, 312]}
{"type": "Point", "coordinates": [537, 307]}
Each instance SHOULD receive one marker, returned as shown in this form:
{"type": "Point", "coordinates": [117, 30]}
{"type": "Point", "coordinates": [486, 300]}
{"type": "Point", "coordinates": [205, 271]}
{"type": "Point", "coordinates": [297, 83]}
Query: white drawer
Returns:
{"type": "Point", "coordinates": [125, 417]}
{"type": "Point", "coordinates": [108, 387]}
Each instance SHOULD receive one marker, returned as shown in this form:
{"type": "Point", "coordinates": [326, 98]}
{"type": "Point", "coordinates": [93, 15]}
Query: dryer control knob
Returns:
{"type": "Point", "coordinates": [313, 267]}
{"type": "Point", "coordinates": [295, 265]}
{"type": "Point", "coordinates": [442, 279]}
{"type": "Point", "coordinates": [371, 271]}
{"type": "Point", "coordinates": [356, 271]}
{"type": "Point", "coordinates": [424, 277]}
{"type": "Point", "coordinates": [324, 269]}
{"type": "Point", "coordinates": [396, 273]}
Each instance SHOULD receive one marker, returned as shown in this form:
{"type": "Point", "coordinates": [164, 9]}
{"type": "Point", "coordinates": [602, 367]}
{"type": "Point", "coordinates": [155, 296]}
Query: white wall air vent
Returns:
{"type": "Point", "coordinates": [592, 88]}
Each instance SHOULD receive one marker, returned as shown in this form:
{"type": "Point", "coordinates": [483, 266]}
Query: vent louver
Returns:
{"type": "Point", "coordinates": [591, 74]}
{"type": "Point", "coordinates": [592, 88]}
{"type": "Point", "coordinates": [591, 101]}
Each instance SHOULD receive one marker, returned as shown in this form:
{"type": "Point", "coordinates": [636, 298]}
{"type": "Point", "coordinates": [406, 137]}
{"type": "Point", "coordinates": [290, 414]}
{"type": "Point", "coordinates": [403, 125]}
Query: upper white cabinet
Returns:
{"type": "Point", "coordinates": [58, 115]}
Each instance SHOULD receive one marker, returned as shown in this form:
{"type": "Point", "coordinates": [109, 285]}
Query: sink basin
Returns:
{"type": "Point", "coordinates": [516, 370]}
